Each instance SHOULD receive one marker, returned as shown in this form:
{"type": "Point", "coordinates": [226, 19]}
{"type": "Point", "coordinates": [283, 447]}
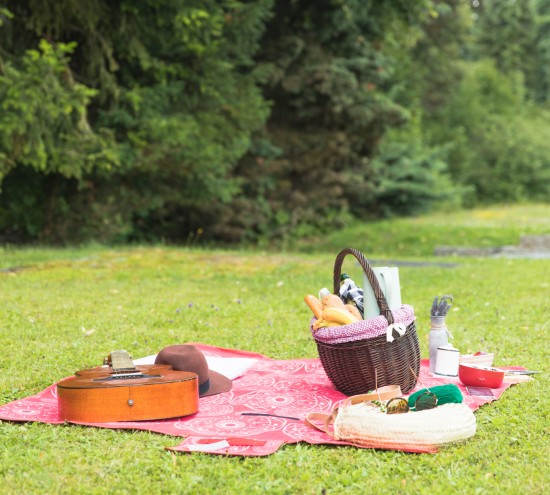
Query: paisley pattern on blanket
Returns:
{"type": "Point", "coordinates": [264, 410]}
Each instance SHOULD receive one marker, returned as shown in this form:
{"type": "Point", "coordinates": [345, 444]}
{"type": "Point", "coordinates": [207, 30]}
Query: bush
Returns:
{"type": "Point", "coordinates": [499, 143]}
{"type": "Point", "coordinates": [406, 177]}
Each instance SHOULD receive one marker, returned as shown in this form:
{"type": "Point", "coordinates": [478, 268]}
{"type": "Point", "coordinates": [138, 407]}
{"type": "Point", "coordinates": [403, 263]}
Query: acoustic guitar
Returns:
{"type": "Point", "coordinates": [120, 391]}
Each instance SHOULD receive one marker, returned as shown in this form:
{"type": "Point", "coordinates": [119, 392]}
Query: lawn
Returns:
{"type": "Point", "coordinates": [64, 309]}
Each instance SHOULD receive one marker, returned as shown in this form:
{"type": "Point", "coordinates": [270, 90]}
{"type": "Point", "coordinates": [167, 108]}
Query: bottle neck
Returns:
{"type": "Point", "coordinates": [438, 324]}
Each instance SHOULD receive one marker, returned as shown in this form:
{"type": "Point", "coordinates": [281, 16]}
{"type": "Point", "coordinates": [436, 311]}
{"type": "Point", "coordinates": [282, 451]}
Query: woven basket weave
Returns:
{"type": "Point", "coordinates": [363, 365]}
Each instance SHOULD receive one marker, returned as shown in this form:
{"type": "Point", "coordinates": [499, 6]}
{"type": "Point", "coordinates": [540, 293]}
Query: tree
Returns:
{"type": "Point", "coordinates": [331, 85]}
{"type": "Point", "coordinates": [505, 31]}
{"type": "Point", "coordinates": [542, 52]}
{"type": "Point", "coordinates": [136, 108]}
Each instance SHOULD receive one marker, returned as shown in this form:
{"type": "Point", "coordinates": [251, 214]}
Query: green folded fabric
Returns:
{"type": "Point", "coordinates": [446, 394]}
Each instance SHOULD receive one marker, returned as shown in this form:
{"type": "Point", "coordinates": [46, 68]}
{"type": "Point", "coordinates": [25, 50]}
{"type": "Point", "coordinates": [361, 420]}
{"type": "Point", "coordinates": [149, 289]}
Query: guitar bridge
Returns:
{"type": "Point", "coordinates": [125, 376]}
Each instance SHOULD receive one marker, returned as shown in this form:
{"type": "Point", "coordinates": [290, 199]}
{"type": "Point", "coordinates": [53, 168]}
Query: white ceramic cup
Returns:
{"type": "Point", "coordinates": [447, 361]}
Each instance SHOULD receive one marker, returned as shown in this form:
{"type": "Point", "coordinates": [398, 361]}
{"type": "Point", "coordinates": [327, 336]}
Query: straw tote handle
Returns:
{"type": "Point", "coordinates": [326, 419]}
{"type": "Point", "coordinates": [380, 298]}
{"type": "Point", "coordinates": [382, 393]}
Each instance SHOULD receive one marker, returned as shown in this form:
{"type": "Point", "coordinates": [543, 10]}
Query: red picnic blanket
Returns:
{"type": "Point", "coordinates": [264, 410]}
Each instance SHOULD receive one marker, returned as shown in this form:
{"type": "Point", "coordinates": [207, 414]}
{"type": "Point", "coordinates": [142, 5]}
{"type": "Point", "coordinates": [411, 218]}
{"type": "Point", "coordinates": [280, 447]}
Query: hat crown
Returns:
{"type": "Point", "coordinates": [185, 357]}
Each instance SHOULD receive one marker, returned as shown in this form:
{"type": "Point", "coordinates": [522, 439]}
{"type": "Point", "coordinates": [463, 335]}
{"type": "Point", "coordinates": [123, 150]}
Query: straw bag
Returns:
{"type": "Point", "coordinates": [370, 353]}
{"type": "Point", "coordinates": [362, 423]}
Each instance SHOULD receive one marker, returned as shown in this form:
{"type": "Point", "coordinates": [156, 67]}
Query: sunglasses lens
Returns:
{"type": "Point", "coordinates": [425, 401]}
{"type": "Point", "coordinates": [397, 406]}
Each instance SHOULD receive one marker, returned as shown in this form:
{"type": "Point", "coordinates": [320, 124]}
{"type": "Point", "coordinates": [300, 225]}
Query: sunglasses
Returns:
{"type": "Point", "coordinates": [399, 405]}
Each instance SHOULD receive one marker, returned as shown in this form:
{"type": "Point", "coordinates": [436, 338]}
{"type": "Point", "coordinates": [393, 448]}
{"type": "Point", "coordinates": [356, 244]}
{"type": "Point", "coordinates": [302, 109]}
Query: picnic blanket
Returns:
{"type": "Point", "coordinates": [264, 410]}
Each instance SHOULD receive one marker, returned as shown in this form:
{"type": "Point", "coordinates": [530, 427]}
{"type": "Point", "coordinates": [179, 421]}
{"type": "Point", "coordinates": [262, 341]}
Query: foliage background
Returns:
{"type": "Point", "coordinates": [260, 121]}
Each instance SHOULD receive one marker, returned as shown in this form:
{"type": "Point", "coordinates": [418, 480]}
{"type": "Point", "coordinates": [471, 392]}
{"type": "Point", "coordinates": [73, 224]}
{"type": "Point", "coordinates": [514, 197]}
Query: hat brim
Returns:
{"type": "Point", "coordinates": [218, 384]}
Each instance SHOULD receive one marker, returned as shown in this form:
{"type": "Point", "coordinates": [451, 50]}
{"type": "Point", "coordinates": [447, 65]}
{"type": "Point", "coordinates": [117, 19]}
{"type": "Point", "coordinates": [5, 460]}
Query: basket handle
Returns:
{"type": "Point", "coordinates": [380, 298]}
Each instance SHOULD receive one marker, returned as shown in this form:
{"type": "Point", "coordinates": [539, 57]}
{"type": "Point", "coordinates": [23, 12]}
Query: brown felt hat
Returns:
{"type": "Point", "coordinates": [187, 357]}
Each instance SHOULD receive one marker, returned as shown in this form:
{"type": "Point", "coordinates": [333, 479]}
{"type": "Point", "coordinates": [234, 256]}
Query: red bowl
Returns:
{"type": "Point", "coordinates": [480, 376]}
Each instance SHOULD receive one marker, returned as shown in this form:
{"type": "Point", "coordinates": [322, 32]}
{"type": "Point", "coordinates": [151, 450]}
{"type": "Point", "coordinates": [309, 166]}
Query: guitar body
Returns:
{"type": "Point", "coordinates": [146, 392]}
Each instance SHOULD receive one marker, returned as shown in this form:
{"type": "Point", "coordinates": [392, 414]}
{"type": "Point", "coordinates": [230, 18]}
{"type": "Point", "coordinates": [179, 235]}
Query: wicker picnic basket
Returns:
{"type": "Point", "coordinates": [358, 366]}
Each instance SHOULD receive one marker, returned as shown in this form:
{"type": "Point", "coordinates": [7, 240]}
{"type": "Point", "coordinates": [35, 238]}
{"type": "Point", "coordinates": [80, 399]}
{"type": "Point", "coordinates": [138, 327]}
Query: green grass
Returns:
{"type": "Point", "coordinates": [489, 227]}
{"type": "Point", "coordinates": [144, 298]}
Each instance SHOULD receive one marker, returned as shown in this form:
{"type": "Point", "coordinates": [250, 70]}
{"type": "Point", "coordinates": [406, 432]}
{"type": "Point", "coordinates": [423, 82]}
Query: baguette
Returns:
{"type": "Point", "coordinates": [314, 304]}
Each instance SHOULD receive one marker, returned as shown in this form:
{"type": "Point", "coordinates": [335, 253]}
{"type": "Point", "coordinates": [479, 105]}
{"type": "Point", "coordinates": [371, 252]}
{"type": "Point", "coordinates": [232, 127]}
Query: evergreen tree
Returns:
{"type": "Point", "coordinates": [133, 109]}
{"type": "Point", "coordinates": [331, 87]}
